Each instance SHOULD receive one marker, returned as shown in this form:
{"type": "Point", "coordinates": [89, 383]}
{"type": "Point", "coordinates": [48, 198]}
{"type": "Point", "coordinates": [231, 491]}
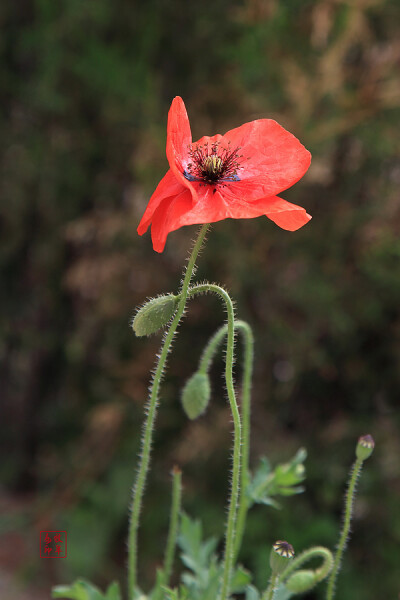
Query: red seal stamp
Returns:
{"type": "Point", "coordinates": [53, 544]}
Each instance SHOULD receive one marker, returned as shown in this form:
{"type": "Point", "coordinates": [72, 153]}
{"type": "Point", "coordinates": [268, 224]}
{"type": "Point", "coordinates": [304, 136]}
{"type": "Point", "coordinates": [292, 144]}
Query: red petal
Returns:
{"type": "Point", "coordinates": [215, 207]}
{"type": "Point", "coordinates": [167, 217]}
{"type": "Point", "coordinates": [179, 139]}
{"type": "Point", "coordinates": [285, 214]}
{"type": "Point", "coordinates": [176, 212]}
{"type": "Point", "coordinates": [273, 159]}
{"type": "Point", "coordinates": [168, 186]}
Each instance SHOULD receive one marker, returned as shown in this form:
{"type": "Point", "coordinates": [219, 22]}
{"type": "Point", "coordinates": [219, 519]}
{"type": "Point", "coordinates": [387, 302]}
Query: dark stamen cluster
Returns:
{"type": "Point", "coordinates": [213, 163]}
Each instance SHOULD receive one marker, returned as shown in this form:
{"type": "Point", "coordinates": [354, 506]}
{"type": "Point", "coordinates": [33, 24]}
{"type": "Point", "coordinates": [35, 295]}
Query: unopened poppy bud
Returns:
{"type": "Point", "coordinates": [154, 315]}
{"type": "Point", "coordinates": [365, 447]}
{"type": "Point", "coordinates": [196, 395]}
{"type": "Point", "coordinates": [281, 554]}
{"type": "Point", "coordinates": [301, 581]}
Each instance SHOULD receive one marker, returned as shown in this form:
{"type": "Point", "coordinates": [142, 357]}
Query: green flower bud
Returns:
{"type": "Point", "coordinates": [281, 554]}
{"type": "Point", "coordinates": [365, 447]}
{"type": "Point", "coordinates": [154, 315]}
{"type": "Point", "coordinates": [301, 581]}
{"type": "Point", "coordinates": [196, 395]}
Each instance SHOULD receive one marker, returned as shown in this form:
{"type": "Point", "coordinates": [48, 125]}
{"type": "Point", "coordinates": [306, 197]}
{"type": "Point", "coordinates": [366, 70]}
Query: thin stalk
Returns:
{"type": "Point", "coordinates": [173, 523]}
{"type": "Point", "coordinates": [245, 413]}
{"type": "Point", "coordinates": [204, 366]}
{"type": "Point", "coordinates": [211, 348]}
{"type": "Point", "coordinates": [344, 535]}
{"type": "Point", "coordinates": [272, 586]}
{"type": "Point", "coordinates": [151, 409]}
{"type": "Point", "coordinates": [235, 486]}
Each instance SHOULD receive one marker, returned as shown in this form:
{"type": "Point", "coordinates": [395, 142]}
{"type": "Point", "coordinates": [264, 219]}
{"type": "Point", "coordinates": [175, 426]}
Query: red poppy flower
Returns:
{"type": "Point", "coordinates": [236, 176]}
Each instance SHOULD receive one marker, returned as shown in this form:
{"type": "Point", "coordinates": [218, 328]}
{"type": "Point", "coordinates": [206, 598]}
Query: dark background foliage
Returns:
{"type": "Point", "coordinates": [85, 90]}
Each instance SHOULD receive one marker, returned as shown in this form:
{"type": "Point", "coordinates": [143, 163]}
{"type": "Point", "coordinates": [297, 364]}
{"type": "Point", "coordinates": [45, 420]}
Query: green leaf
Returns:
{"type": "Point", "coordinates": [282, 481]}
{"type": "Point", "coordinates": [203, 579]}
{"type": "Point", "coordinates": [240, 580]}
{"type": "Point", "coordinates": [138, 594]}
{"type": "Point", "coordinates": [174, 594]}
{"type": "Point", "coordinates": [196, 553]}
{"type": "Point", "coordinates": [84, 590]}
{"type": "Point", "coordinates": [252, 593]}
{"type": "Point", "coordinates": [79, 590]}
{"type": "Point", "coordinates": [282, 593]}
{"type": "Point", "coordinates": [158, 590]}
{"type": "Point", "coordinates": [113, 591]}
{"type": "Point", "coordinates": [299, 457]}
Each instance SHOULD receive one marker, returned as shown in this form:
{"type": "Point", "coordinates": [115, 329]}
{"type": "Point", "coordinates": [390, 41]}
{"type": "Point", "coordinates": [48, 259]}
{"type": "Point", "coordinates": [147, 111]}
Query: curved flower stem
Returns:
{"type": "Point", "coordinates": [232, 512]}
{"type": "Point", "coordinates": [173, 523]}
{"type": "Point", "coordinates": [313, 576]}
{"type": "Point", "coordinates": [344, 535]}
{"type": "Point", "coordinates": [211, 348]}
{"type": "Point", "coordinates": [316, 575]}
{"type": "Point", "coordinates": [204, 366]}
{"type": "Point", "coordinates": [151, 409]}
{"type": "Point", "coordinates": [320, 573]}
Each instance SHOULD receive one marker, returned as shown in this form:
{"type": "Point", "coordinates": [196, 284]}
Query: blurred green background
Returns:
{"type": "Point", "coordinates": [85, 90]}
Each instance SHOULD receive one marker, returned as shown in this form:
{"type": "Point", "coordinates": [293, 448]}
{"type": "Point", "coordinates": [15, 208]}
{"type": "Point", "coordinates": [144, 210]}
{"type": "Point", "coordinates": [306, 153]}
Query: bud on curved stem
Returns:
{"type": "Point", "coordinates": [151, 410]}
{"type": "Point", "coordinates": [204, 367]}
{"type": "Point", "coordinates": [196, 395]}
{"type": "Point", "coordinates": [230, 535]}
{"type": "Point", "coordinates": [302, 580]}
{"type": "Point", "coordinates": [364, 449]}
{"type": "Point", "coordinates": [154, 315]}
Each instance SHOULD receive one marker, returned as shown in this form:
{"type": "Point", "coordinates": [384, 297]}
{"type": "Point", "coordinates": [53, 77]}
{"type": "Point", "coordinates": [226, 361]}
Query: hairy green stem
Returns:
{"type": "Point", "coordinates": [204, 366]}
{"type": "Point", "coordinates": [151, 409]}
{"type": "Point", "coordinates": [211, 348]}
{"type": "Point", "coordinates": [235, 486]}
{"type": "Point", "coordinates": [245, 412]}
{"type": "Point", "coordinates": [344, 535]}
{"type": "Point", "coordinates": [316, 551]}
{"type": "Point", "coordinates": [269, 592]}
{"type": "Point", "coordinates": [173, 523]}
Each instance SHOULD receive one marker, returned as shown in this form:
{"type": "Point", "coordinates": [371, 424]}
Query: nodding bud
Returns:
{"type": "Point", "coordinates": [365, 447]}
{"type": "Point", "coordinates": [301, 581]}
{"type": "Point", "coordinates": [281, 554]}
{"type": "Point", "coordinates": [196, 395]}
{"type": "Point", "coordinates": [154, 315]}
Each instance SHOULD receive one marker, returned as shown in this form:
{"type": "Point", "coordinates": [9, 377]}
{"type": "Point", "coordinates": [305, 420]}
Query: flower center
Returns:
{"type": "Point", "coordinates": [213, 164]}
{"type": "Point", "coordinates": [212, 168]}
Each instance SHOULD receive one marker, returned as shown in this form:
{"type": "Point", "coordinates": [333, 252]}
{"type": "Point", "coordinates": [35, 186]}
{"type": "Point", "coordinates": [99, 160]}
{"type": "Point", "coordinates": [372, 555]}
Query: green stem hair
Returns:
{"type": "Point", "coordinates": [235, 486]}
{"type": "Point", "coordinates": [306, 555]}
{"type": "Point", "coordinates": [344, 535]}
{"type": "Point", "coordinates": [151, 409]}
{"type": "Point", "coordinates": [298, 581]}
{"type": "Point", "coordinates": [272, 586]}
{"type": "Point", "coordinates": [204, 366]}
{"type": "Point", "coordinates": [173, 524]}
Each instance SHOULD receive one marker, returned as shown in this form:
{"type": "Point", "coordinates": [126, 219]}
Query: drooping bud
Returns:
{"type": "Point", "coordinates": [365, 447]}
{"type": "Point", "coordinates": [301, 581]}
{"type": "Point", "coordinates": [281, 554]}
{"type": "Point", "coordinates": [196, 395]}
{"type": "Point", "coordinates": [154, 315]}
